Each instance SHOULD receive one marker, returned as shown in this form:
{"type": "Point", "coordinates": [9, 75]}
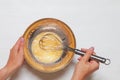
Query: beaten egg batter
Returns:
{"type": "Point", "coordinates": [45, 47]}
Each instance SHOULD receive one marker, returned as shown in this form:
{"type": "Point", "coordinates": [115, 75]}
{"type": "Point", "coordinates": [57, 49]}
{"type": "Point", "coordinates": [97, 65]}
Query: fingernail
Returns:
{"type": "Point", "coordinates": [91, 48]}
{"type": "Point", "coordinates": [22, 39]}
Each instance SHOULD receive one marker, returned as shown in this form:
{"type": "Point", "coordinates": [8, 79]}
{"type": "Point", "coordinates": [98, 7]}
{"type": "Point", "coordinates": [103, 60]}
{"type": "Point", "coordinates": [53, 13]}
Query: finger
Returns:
{"type": "Point", "coordinates": [17, 44]}
{"type": "Point", "coordinates": [79, 58]}
{"type": "Point", "coordinates": [88, 53]}
{"type": "Point", "coordinates": [84, 49]}
{"type": "Point", "coordinates": [95, 63]}
{"type": "Point", "coordinates": [94, 53]}
{"type": "Point", "coordinates": [21, 50]}
{"type": "Point", "coordinates": [21, 46]}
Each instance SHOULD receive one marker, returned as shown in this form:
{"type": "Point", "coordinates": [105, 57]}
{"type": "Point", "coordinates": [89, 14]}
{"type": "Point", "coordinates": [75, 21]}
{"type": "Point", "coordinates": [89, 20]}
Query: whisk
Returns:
{"type": "Point", "coordinates": [43, 42]}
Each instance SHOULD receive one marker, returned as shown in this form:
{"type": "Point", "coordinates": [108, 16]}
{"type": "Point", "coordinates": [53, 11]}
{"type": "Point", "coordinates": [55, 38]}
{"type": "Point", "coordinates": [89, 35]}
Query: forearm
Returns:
{"type": "Point", "coordinates": [77, 76]}
{"type": "Point", "coordinates": [4, 73]}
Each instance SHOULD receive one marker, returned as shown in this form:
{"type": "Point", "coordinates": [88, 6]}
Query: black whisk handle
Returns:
{"type": "Point", "coordinates": [95, 57]}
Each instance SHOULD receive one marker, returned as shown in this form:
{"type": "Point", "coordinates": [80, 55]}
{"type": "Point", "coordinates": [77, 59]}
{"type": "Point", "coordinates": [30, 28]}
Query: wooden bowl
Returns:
{"type": "Point", "coordinates": [53, 26]}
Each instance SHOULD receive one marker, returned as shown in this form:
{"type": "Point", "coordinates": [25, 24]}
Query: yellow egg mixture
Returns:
{"type": "Point", "coordinates": [45, 47]}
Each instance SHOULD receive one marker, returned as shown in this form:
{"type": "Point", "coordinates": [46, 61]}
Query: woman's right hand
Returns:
{"type": "Point", "coordinates": [85, 66]}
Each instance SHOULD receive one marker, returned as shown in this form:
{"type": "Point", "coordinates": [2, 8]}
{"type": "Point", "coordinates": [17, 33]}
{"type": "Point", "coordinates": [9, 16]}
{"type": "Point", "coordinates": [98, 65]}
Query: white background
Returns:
{"type": "Point", "coordinates": [94, 23]}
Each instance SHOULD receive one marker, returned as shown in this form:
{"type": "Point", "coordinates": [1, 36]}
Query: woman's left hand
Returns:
{"type": "Point", "coordinates": [15, 61]}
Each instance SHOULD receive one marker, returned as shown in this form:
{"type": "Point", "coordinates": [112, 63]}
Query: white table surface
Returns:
{"type": "Point", "coordinates": [94, 23]}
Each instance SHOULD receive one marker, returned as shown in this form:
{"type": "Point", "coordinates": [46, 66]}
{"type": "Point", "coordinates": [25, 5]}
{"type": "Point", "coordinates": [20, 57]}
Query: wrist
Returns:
{"type": "Point", "coordinates": [9, 70]}
{"type": "Point", "coordinates": [4, 73]}
{"type": "Point", "coordinates": [6, 70]}
{"type": "Point", "coordinates": [78, 77]}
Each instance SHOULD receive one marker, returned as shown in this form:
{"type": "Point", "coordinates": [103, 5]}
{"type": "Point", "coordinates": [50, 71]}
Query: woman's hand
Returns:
{"type": "Point", "coordinates": [85, 66]}
{"type": "Point", "coordinates": [15, 61]}
{"type": "Point", "coordinates": [16, 57]}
